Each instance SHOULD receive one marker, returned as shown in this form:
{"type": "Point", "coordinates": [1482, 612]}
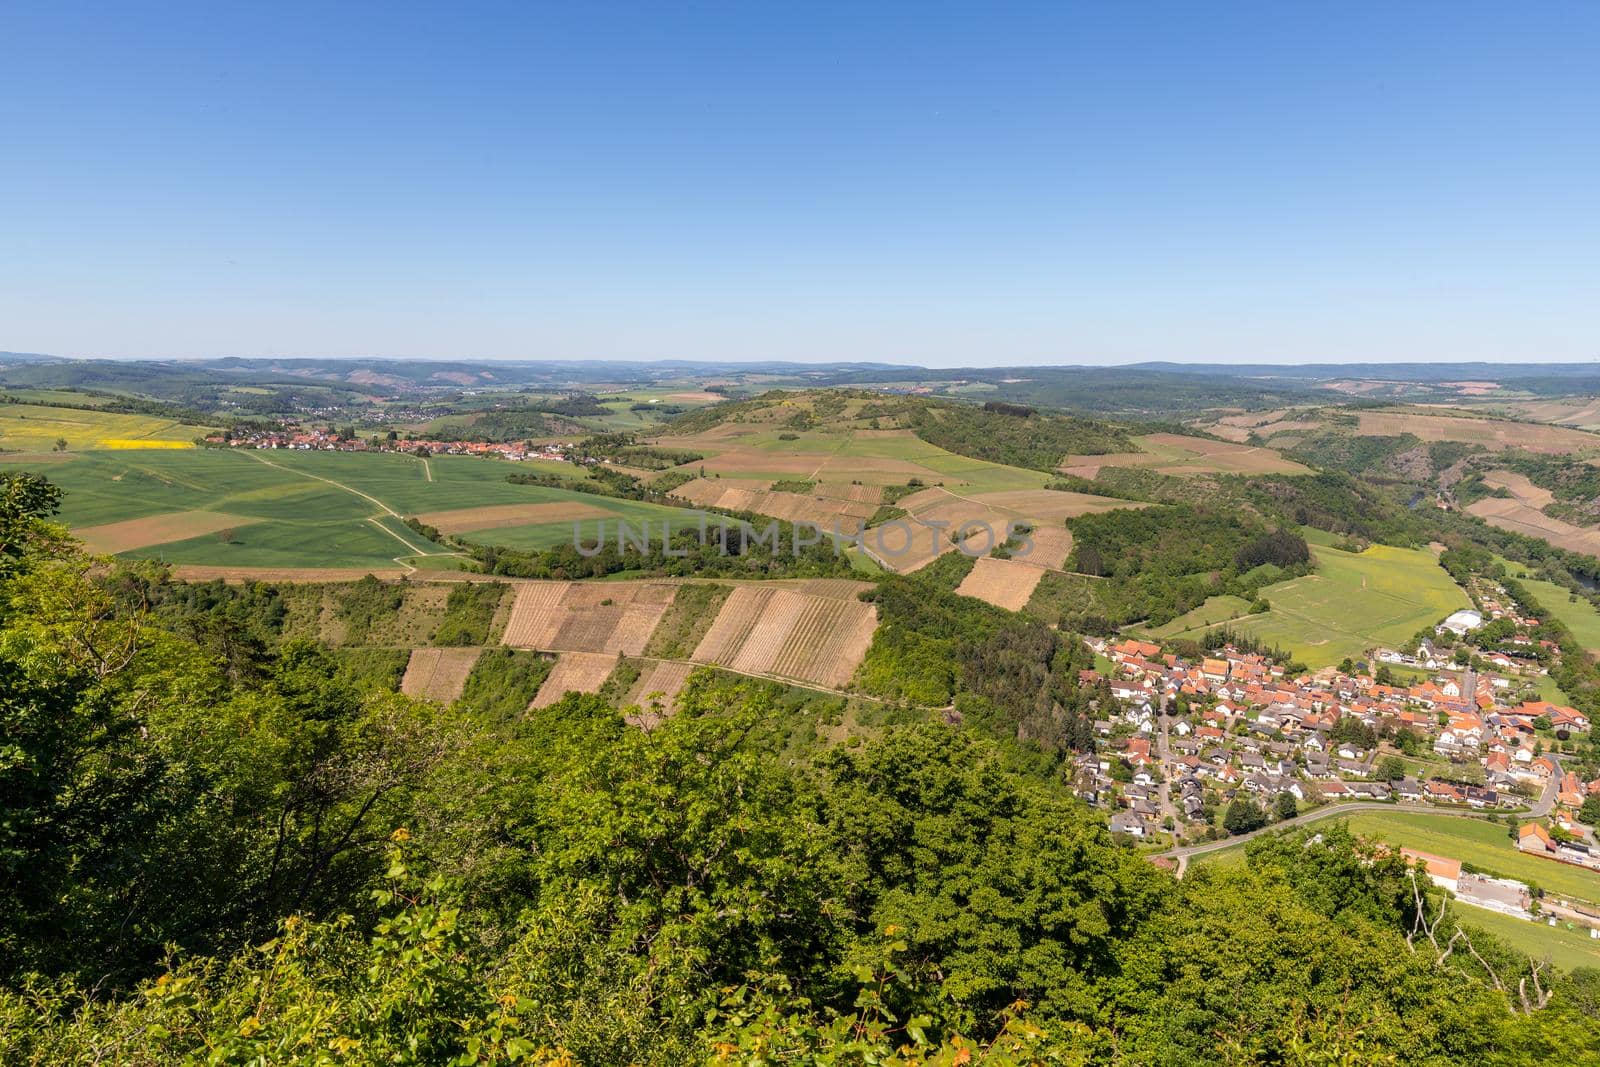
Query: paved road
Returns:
{"type": "Point", "coordinates": [1164, 753]}
{"type": "Point", "coordinates": [1540, 808]}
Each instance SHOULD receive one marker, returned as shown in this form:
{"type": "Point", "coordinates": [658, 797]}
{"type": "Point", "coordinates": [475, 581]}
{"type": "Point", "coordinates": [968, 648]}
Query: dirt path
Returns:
{"type": "Point", "coordinates": [337, 485]}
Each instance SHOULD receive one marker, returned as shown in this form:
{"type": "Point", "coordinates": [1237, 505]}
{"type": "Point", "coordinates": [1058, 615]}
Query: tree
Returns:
{"type": "Point", "coordinates": [1590, 811]}
{"type": "Point", "coordinates": [1243, 816]}
{"type": "Point", "coordinates": [1286, 806]}
{"type": "Point", "coordinates": [1390, 769]}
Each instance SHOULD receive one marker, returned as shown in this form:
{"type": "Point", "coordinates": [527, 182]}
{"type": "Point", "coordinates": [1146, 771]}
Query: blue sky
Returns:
{"type": "Point", "coordinates": [940, 184]}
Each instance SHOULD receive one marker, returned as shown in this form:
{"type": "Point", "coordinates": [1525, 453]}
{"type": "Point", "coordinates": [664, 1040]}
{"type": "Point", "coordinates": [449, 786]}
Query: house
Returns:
{"type": "Point", "coordinates": [1126, 822]}
{"type": "Point", "coordinates": [1531, 837]}
{"type": "Point", "coordinates": [1442, 871]}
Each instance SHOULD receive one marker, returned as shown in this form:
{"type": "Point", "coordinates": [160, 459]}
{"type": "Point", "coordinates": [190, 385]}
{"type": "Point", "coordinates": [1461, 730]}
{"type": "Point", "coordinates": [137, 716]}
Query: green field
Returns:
{"type": "Point", "coordinates": [1354, 601]}
{"type": "Point", "coordinates": [1576, 614]}
{"type": "Point", "coordinates": [31, 428]}
{"type": "Point", "coordinates": [1215, 611]}
{"type": "Point", "coordinates": [1482, 844]}
{"type": "Point", "coordinates": [1567, 949]}
{"type": "Point", "coordinates": [311, 509]}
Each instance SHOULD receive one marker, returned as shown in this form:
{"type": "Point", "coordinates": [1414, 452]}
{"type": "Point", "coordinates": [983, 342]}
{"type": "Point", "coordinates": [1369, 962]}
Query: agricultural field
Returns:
{"type": "Point", "coordinates": [1522, 518]}
{"type": "Point", "coordinates": [607, 617]}
{"type": "Point", "coordinates": [318, 512]}
{"type": "Point", "coordinates": [1576, 613]}
{"type": "Point", "coordinates": [1485, 845]}
{"type": "Point", "coordinates": [1493, 434]}
{"type": "Point", "coordinates": [1175, 454]}
{"type": "Point", "coordinates": [1567, 949]}
{"type": "Point", "coordinates": [934, 515]}
{"type": "Point", "coordinates": [575, 672]}
{"type": "Point", "coordinates": [1381, 596]}
{"type": "Point", "coordinates": [30, 428]}
{"type": "Point", "coordinates": [812, 637]}
{"type": "Point", "coordinates": [1214, 612]}
{"type": "Point", "coordinates": [1005, 583]}
{"type": "Point", "coordinates": [759, 452]}
{"type": "Point", "coordinates": [438, 674]}
{"type": "Point", "coordinates": [1581, 413]}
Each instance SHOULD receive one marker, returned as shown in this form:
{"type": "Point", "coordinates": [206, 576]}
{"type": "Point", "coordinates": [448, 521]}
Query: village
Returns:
{"type": "Point", "coordinates": [292, 437]}
{"type": "Point", "coordinates": [1207, 748]}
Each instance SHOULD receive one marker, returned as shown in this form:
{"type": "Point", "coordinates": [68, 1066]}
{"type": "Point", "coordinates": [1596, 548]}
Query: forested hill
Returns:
{"type": "Point", "coordinates": [1013, 434]}
{"type": "Point", "coordinates": [217, 850]}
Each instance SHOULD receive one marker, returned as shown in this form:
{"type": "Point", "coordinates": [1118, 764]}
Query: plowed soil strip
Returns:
{"type": "Point", "coordinates": [438, 673]}
{"type": "Point", "coordinates": [575, 672]}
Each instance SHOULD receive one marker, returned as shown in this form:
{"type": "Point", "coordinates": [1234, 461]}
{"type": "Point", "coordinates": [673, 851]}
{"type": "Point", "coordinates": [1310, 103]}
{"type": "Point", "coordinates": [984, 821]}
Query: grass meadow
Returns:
{"type": "Point", "coordinates": [1381, 596]}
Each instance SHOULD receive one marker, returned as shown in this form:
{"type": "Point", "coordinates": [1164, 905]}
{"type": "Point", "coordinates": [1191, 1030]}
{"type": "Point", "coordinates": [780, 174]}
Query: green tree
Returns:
{"type": "Point", "coordinates": [1243, 816]}
{"type": "Point", "coordinates": [1286, 806]}
{"type": "Point", "coordinates": [1390, 769]}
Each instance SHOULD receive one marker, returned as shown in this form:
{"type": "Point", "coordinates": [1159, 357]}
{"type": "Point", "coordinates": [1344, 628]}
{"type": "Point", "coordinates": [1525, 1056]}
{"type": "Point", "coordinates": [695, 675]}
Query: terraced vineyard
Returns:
{"type": "Point", "coordinates": [438, 673]}
{"type": "Point", "coordinates": [818, 639]}
{"type": "Point", "coordinates": [575, 672]}
{"type": "Point", "coordinates": [609, 617]}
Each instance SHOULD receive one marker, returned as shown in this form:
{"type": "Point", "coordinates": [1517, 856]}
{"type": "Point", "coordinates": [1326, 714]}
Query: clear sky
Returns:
{"type": "Point", "coordinates": [969, 184]}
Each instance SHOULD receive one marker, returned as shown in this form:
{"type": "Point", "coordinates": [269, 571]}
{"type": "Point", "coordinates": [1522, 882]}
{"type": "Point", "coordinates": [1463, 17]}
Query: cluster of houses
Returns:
{"type": "Point", "coordinates": [1234, 724]}
{"type": "Point", "coordinates": [326, 441]}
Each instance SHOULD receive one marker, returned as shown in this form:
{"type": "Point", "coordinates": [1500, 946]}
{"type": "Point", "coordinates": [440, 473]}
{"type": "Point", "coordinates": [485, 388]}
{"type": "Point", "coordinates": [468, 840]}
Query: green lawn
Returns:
{"type": "Point", "coordinates": [1567, 949]}
{"type": "Point", "coordinates": [1354, 601]}
{"type": "Point", "coordinates": [1485, 845]}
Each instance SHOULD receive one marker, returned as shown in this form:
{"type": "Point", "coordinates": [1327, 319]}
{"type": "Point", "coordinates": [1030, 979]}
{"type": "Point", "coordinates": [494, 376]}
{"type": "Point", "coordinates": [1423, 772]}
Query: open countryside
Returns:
{"type": "Point", "coordinates": [794, 536]}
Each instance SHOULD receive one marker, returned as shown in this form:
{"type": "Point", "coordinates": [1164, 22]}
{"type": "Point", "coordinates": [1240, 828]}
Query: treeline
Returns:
{"type": "Point", "coordinates": [1010, 675]}
{"type": "Point", "coordinates": [624, 448]}
{"type": "Point", "coordinates": [1162, 562]}
{"type": "Point", "coordinates": [771, 549]}
{"type": "Point", "coordinates": [1035, 442]}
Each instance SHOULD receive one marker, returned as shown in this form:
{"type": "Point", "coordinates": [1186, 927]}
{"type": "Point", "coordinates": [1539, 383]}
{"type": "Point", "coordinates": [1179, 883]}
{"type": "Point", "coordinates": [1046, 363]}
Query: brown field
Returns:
{"type": "Point", "coordinates": [125, 536]}
{"type": "Point", "coordinates": [1005, 583]}
{"type": "Point", "coordinates": [905, 546]}
{"type": "Point", "coordinates": [499, 516]}
{"type": "Point", "coordinates": [1253, 418]}
{"type": "Point", "coordinates": [860, 494]}
{"type": "Point", "coordinates": [660, 683]}
{"type": "Point", "coordinates": [438, 673]}
{"type": "Point", "coordinates": [1051, 547]}
{"type": "Point", "coordinates": [705, 492]}
{"type": "Point", "coordinates": [533, 619]}
{"type": "Point", "coordinates": [1043, 509]}
{"type": "Point", "coordinates": [1583, 412]}
{"type": "Point", "coordinates": [838, 588]}
{"type": "Point", "coordinates": [1519, 487]}
{"type": "Point", "coordinates": [574, 672]}
{"type": "Point", "coordinates": [603, 617]}
{"type": "Point", "coordinates": [818, 639]}
{"type": "Point", "coordinates": [1052, 505]}
{"type": "Point", "coordinates": [1175, 454]}
{"type": "Point", "coordinates": [1518, 517]}
{"type": "Point", "coordinates": [738, 495]}
{"type": "Point", "coordinates": [1490, 433]}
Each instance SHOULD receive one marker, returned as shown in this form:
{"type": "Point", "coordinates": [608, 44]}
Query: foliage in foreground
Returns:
{"type": "Point", "coordinates": [203, 865]}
